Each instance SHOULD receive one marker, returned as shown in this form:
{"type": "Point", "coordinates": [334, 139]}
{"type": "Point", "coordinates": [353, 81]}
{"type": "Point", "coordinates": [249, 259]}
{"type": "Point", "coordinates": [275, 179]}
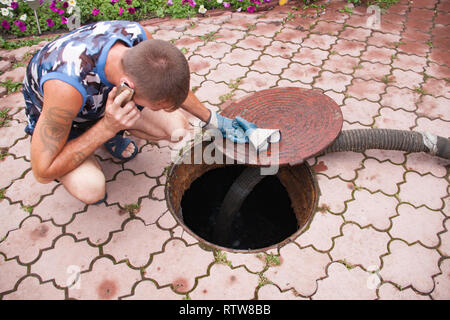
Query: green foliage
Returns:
{"type": "Point", "coordinates": [11, 86]}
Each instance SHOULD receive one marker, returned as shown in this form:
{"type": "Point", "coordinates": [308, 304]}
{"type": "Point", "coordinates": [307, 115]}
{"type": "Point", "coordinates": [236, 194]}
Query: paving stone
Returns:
{"type": "Point", "coordinates": [224, 283]}
{"type": "Point", "coordinates": [440, 56]}
{"type": "Point", "coordinates": [227, 73]}
{"type": "Point", "coordinates": [179, 265]}
{"type": "Point", "coordinates": [334, 193]}
{"type": "Point", "coordinates": [13, 169]}
{"type": "Point", "coordinates": [9, 135]}
{"type": "Point", "coordinates": [147, 290]}
{"type": "Point", "coordinates": [397, 98]}
{"type": "Point", "coordinates": [424, 163]}
{"type": "Point", "coordinates": [97, 223]}
{"type": "Point", "coordinates": [291, 35]}
{"type": "Point", "coordinates": [128, 188]}
{"type": "Point", "coordinates": [380, 39]}
{"type": "Point", "coordinates": [432, 107]}
{"type": "Point", "coordinates": [344, 64]}
{"type": "Point", "coordinates": [251, 261]}
{"type": "Point", "coordinates": [321, 231]}
{"type": "Point", "coordinates": [344, 284]}
{"type": "Point", "coordinates": [14, 271]}
{"type": "Point", "coordinates": [366, 89]}
{"type": "Point", "coordinates": [64, 261]}
{"type": "Point", "coordinates": [342, 164]}
{"type": "Point", "coordinates": [4, 65]}
{"type": "Point", "coordinates": [136, 243]}
{"type": "Point", "coordinates": [406, 79]}
{"type": "Point", "coordinates": [239, 23]}
{"type": "Point", "coordinates": [167, 221]}
{"type": "Point", "coordinates": [282, 49]}
{"type": "Point", "coordinates": [348, 47]}
{"type": "Point", "coordinates": [201, 65]}
{"type": "Point", "coordinates": [151, 160]}
{"type": "Point", "coordinates": [271, 292]}
{"type": "Point", "coordinates": [27, 242]}
{"type": "Point", "coordinates": [11, 217]}
{"type": "Point", "coordinates": [189, 43]}
{"type": "Point", "coordinates": [158, 193]}
{"type": "Point", "coordinates": [337, 97]}
{"type": "Point", "coordinates": [409, 62]}
{"type": "Point", "coordinates": [423, 190]}
{"type": "Point", "coordinates": [307, 264]}
{"type": "Point", "coordinates": [28, 190]}
{"type": "Point", "coordinates": [167, 35]}
{"type": "Point", "coordinates": [216, 50]}
{"type": "Point", "coordinates": [151, 210]}
{"type": "Point", "coordinates": [18, 54]}
{"type": "Point", "coordinates": [411, 46]}
{"type": "Point", "coordinates": [105, 281]}
{"type": "Point", "coordinates": [211, 92]}
{"type": "Point", "coordinates": [255, 43]}
{"type": "Point", "coordinates": [15, 75]}
{"type": "Point", "coordinates": [335, 81]}
{"type": "Point", "coordinates": [362, 111]}
{"type": "Point", "coordinates": [201, 29]}
{"type": "Point", "coordinates": [398, 119]}
{"type": "Point", "coordinates": [419, 224]}
{"type": "Point", "coordinates": [371, 71]}
{"type": "Point", "coordinates": [410, 265]}
{"type": "Point", "coordinates": [330, 28]}
{"type": "Point", "coordinates": [316, 41]}
{"type": "Point", "coordinates": [437, 87]}
{"type": "Point", "coordinates": [444, 247]}
{"type": "Point", "coordinates": [383, 176]}
{"type": "Point", "coordinates": [396, 157]}
{"type": "Point", "coordinates": [311, 56]}
{"type": "Point", "coordinates": [375, 54]}
{"type": "Point", "coordinates": [267, 30]}
{"type": "Point", "coordinates": [243, 57]}
{"type": "Point", "coordinates": [255, 81]}
{"type": "Point", "coordinates": [30, 288]}
{"type": "Point", "coordinates": [272, 65]}
{"type": "Point", "coordinates": [437, 71]}
{"type": "Point", "coordinates": [360, 246]}
{"type": "Point", "coordinates": [388, 291]}
{"type": "Point", "coordinates": [229, 36]}
{"type": "Point", "coordinates": [60, 207]}
{"type": "Point", "coordinates": [288, 83]}
{"type": "Point", "coordinates": [371, 209]}
{"type": "Point", "coordinates": [357, 34]}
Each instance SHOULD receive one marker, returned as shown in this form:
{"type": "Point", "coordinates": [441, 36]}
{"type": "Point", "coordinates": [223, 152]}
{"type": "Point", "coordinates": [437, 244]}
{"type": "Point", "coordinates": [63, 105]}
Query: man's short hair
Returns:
{"type": "Point", "coordinates": [159, 70]}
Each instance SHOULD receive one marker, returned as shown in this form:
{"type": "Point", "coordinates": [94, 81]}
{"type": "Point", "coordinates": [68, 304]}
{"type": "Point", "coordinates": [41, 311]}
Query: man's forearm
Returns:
{"type": "Point", "coordinates": [196, 108]}
{"type": "Point", "coordinates": [77, 150]}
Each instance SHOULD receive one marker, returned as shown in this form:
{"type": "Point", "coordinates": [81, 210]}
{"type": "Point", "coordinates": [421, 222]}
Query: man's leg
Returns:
{"type": "Point", "coordinates": [86, 182]}
{"type": "Point", "coordinates": [160, 125]}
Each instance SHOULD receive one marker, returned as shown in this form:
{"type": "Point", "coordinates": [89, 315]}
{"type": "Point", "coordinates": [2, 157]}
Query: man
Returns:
{"type": "Point", "coordinates": [70, 93]}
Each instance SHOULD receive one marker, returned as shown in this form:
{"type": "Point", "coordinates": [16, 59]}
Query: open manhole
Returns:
{"type": "Point", "coordinates": [277, 210]}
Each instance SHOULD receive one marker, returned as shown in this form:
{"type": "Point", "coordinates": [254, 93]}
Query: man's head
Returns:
{"type": "Point", "coordinates": [159, 74]}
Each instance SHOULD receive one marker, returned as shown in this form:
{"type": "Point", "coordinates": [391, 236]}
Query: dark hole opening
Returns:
{"type": "Point", "coordinates": [265, 218]}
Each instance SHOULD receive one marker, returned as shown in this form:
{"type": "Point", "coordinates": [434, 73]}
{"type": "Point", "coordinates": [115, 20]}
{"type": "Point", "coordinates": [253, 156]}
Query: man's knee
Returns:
{"type": "Point", "coordinates": [92, 191]}
{"type": "Point", "coordinates": [178, 128]}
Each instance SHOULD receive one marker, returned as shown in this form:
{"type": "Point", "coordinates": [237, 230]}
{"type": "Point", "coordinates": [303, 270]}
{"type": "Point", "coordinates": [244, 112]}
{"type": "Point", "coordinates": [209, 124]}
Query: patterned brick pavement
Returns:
{"type": "Point", "coordinates": [383, 226]}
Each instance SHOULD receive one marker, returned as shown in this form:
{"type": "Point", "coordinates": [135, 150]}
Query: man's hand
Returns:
{"type": "Point", "coordinates": [119, 118]}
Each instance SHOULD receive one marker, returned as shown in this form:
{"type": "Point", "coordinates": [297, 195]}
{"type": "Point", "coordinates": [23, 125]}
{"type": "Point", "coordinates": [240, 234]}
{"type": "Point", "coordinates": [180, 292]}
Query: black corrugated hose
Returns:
{"type": "Point", "coordinates": [357, 140]}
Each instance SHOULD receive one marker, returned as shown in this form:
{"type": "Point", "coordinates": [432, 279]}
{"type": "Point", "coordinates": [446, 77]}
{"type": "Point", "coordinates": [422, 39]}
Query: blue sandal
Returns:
{"type": "Point", "coordinates": [120, 143]}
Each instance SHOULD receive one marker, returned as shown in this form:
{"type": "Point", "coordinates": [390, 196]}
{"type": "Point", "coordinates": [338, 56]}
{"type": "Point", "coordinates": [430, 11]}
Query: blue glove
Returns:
{"type": "Point", "coordinates": [229, 128]}
{"type": "Point", "coordinates": [247, 126]}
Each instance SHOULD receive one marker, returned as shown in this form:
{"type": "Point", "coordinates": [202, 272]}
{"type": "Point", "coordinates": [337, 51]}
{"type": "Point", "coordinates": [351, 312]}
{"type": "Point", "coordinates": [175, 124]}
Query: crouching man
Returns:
{"type": "Point", "coordinates": [73, 108]}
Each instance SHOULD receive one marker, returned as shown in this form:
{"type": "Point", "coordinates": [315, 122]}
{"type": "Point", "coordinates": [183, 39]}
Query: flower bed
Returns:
{"type": "Point", "coordinates": [17, 18]}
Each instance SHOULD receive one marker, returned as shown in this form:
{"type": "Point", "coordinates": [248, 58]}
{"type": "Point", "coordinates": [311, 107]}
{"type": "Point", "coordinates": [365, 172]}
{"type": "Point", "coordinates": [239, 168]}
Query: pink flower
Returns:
{"type": "Point", "coordinates": [65, 5]}
{"type": "Point", "coordinates": [131, 10]}
{"type": "Point", "coordinates": [50, 22]}
{"type": "Point", "coordinates": [63, 20]}
{"type": "Point", "coordinates": [120, 11]}
{"type": "Point", "coordinates": [169, 2]}
{"type": "Point", "coordinates": [14, 5]}
{"type": "Point", "coordinates": [5, 24]}
{"type": "Point", "coordinates": [21, 25]}
{"type": "Point", "coordinates": [114, 1]}
{"type": "Point", "coordinates": [226, 4]}
{"type": "Point", "coordinates": [251, 9]}
{"type": "Point", "coordinates": [129, 2]}
{"type": "Point", "coordinates": [95, 11]}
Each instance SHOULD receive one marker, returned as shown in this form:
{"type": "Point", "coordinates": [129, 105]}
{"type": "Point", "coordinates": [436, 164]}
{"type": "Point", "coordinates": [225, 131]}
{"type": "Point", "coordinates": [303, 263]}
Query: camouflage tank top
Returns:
{"type": "Point", "coordinates": [78, 58]}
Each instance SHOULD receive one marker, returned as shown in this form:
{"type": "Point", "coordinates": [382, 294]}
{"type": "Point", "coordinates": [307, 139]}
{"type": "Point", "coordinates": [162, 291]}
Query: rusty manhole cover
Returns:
{"type": "Point", "coordinates": [309, 122]}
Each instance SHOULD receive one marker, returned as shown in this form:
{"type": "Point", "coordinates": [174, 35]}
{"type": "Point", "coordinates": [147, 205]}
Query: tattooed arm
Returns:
{"type": "Point", "coordinates": [51, 155]}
